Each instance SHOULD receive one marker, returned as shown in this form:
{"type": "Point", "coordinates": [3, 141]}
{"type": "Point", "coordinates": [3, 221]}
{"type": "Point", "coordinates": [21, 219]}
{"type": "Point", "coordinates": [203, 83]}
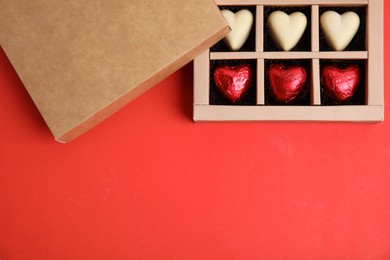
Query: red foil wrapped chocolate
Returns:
{"type": "Point", "coordinates": [286, 83]}
{"type": "Point", "coordinates": [340, 84]}
{"type": "Point", "coordinates": [233, 81]}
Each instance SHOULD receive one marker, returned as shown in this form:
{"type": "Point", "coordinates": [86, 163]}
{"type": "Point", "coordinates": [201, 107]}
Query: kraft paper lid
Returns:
{"type": "Point", "coordinates": [82, 60]}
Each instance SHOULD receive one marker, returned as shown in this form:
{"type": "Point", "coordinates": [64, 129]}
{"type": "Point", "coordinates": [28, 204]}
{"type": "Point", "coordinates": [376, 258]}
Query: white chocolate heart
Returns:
{"type": "Point", "coordinates": [286, 30]}
{"type": "Point", "coordinates": [241, 25]}
{"type": "Point", "coordinates": [339, 29]}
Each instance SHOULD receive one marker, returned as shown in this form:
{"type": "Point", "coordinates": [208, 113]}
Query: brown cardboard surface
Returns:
{"type": "Point", "coordinates": [289, 113]}
{"type": "Point", "coordinates": [82, 60]}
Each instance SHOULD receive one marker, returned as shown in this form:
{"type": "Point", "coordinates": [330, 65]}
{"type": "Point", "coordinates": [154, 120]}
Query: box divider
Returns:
{"type": "Point", "coordinates": [260, 82]}
{"type": "Point", "coordinates": [259, 28]}
{"type": "Point", "coordinates": [315, 32]}
{"type": "Point", "coordinates": [315, 88]}
{"type": "Point", "coordinates": [351, 55]}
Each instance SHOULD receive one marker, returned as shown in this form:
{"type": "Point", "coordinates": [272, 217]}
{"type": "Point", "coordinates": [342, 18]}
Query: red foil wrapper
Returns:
{"type": "Point", "coordinates": [340, 84]}
{"type": "Point", "coordinates": [286, 83]}
{"type": "Point", "coordinates": [233, 81]}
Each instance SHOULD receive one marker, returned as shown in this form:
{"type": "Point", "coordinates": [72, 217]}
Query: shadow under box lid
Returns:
{"type": "Point", "coordinates": [83, 60]}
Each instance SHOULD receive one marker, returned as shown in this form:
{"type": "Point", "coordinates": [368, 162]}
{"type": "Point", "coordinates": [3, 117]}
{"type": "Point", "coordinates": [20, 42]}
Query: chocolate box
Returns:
{"type": "Point", "coordinates": [83, 60]}
{"type": "Point", "coordinates": [365, 51]}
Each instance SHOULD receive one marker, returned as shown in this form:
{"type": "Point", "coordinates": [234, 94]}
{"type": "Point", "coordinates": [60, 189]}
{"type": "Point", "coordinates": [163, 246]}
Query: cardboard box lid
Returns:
{"type": "Point", "coordinates": [82, 60]}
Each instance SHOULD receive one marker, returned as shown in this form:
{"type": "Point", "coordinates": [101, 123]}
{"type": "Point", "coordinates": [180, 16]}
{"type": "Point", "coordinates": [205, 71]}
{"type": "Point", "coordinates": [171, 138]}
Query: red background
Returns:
{"type": "Point", "coordinates": [148, 183]}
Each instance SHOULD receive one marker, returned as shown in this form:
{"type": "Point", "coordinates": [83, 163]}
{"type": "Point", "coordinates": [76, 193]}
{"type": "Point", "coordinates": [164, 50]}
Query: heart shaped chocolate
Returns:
{"type": "Point", "coordinates": [286, 83]}
{"type": "Point", "coordinates": [233, 81]}
{"type": "Point", "coordinates": [339, 29]}
{"type": "Point", "coordinates": [286, 30]}
{"type": "Point", "coordinates": [241, 24]}
{"type": "Point", "coordinates": [340, 84]}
